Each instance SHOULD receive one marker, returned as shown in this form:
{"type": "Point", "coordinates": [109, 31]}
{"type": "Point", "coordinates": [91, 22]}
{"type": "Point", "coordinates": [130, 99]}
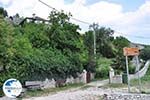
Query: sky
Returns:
{"type": "Point", "coordinates": [129, 18]}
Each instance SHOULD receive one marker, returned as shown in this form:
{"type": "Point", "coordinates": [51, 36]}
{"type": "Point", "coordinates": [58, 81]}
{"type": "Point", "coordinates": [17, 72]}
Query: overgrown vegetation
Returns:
{"type": "Point", "coordinates": [145, 53]}
{"type": "Point", "coordinates": [35, 51]}
{"type": "Point", "coordinates": [103, 67]}
{"type": "Point", "coordinates": [119, 61]}
{"type": "Point", "coordinates": [145, 81]}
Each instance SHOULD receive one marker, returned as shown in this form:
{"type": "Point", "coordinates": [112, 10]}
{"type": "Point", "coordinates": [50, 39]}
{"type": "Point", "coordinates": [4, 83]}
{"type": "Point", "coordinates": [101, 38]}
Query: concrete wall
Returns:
{"type": "Point", "coordinates": [142, 72]}
{"type": "Point", "coordinates": [51, 83]}
{"type": "Point", "coordinates": [114, 78]}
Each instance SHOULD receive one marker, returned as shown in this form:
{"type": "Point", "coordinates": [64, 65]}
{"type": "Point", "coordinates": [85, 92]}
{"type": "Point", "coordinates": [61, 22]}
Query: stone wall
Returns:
{"type": "Point", "coordinates": [114, 78]}
{"type": "Point", "coordinates": [117, 79]}
{"type": "Point", "coordinates": [92, 76]}
{"type": "Point", "coordinates": [51, 83]}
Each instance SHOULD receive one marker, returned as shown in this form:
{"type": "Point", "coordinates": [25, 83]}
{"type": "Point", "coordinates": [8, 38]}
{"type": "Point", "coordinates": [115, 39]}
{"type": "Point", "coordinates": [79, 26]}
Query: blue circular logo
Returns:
{"type": "Point", "coordinates": [12, 88]}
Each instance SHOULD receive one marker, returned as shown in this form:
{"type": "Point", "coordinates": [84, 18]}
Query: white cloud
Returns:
{"type": "Point", "coordinates": [133, 22]}
{"type": "Point", "coordinates": [103, 12]}
{"type": "Point", "coordinates": [5, 2]}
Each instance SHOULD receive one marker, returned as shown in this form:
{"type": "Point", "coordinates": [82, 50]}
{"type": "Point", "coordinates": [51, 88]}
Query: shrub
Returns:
{"type": "Point", "coordinates": [102, 68]}
{"type": "Point", "coordinates": [131, 69]}
{"type": "Point", "coordinates": [145, 55]}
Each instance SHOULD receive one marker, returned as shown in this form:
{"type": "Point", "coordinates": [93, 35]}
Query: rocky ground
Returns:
{"type": "Point", "coordinates": [91, 94]}
{"type": "Point", "coordinates": [98, 91]}
{"type": "Point", "coordinates": [95, 93]}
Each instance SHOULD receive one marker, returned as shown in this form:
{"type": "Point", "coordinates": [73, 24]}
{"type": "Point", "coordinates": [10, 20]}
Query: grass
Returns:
{"type": "Point", "coordinates": [114, 85]}
{"type": "Point", "coordinates": [101, 98]}
{"type": "Point", "coordinates": [36, 93]}
{"type": "Point", "coordinates": [99, 79]}
{"type": "Point", "coordinates": [85, 87]}
{"type": "Point", "coordinates": [145, 83]}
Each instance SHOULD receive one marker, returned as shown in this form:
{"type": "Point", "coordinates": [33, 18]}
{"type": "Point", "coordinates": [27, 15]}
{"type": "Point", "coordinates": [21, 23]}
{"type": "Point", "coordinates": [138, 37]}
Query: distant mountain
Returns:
{"type": "Point", "coordinates": [141, 46]}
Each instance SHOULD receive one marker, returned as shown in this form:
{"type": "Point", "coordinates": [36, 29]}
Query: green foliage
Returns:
{"type": "Point", "coordinates": [103, 66]}
{"type": "Point", "coordinates": [119, 44]}
{"type": "Point", "coordinates": [145, 53]}
{"type": "Point", "coordinates": [6, 50]}
{"type": "Point", "coordinates": [88, 42]}
{"type": "Point", "coordinates": [104, 46]}
{"type": "Point", "coordinates": [62, 34]}
{"type": "Point", "coordinates": [3, 12]}
{"type": "Point", "coordinates": [38, 51]}
{"type": "Point", "coordinates": [131, 69]}
{"type": "Point", "coordinates": [145, 80]}
{"type": "Point", "coordinates": [104, 37]}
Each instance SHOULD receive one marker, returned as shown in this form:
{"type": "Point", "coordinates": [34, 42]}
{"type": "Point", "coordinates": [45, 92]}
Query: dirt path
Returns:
{"type": "Point", "coordinates": [91, 93]}
{"type": "Point", "coordinates": [96, 92]}
{"type": "Point", "coordinates": [99, 83]}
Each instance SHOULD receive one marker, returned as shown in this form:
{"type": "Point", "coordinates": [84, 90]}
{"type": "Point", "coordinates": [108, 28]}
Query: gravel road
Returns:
{"type": "Point", "coordinates": [92, 93]}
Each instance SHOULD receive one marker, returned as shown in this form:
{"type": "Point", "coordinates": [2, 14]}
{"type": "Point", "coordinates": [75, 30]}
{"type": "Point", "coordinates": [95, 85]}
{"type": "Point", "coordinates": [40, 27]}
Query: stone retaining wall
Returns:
{"type": "Point", "coordinates": [51, 83]}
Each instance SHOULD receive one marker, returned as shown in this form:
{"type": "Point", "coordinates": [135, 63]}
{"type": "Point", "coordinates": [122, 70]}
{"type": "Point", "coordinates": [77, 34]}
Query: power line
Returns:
{"type": "Point", "coordinates": [48, 5]}
{"type": "Point", "coordinates": [78, 20]}
{"type": "Point", "coordinates": [81, 21]}
{"type": "Point", "coordinates": [87, 23]}
{"type": "Point", "coordinates": [135, 36]}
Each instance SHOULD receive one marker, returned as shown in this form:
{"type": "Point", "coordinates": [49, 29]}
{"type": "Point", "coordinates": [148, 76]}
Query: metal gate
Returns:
{"type": "Point", "coordinates": [88, 77]}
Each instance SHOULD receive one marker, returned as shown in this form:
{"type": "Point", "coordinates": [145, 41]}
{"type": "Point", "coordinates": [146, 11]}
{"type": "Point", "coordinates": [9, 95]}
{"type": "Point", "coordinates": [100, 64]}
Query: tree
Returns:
{"type": "Point", "coordinates": [119, 43]}
{"type": "Point", "coordinates": [6, 38]}
{"type": "Point", "coordinates": [3, 12]}
{"type": "Point", "coordinates": [88, 42]}
{"type": "Point", "coordinates": [6, 50]}
{"type": "Point", "coordinates": [64, 36]}
{"type": "Point", "coordinates": [103, 44]}
{"type": "Point", "coordinates": [145, 53]}
{"type": "Point", "coordinates": [38, 51]}
{"type": "Point", "coordinates": [104, 37]}
{"type": "Point", "coordinates": [53, 50]}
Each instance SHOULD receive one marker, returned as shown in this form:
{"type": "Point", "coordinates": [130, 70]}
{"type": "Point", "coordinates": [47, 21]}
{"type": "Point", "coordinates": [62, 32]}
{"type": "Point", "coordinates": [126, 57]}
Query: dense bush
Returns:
{"type": "Point", "coordinates": [38, 51]}
{"type": "Point", "coordinates": [119, 61]}
{"type": "Point", "coordinates": [35, 51]}
{"type": "Point", "coordinates": [131, 69]}
{"type": "Point", "coordinates": [145, 53]}
{"type": "Point", "coordinates": [102, 68]}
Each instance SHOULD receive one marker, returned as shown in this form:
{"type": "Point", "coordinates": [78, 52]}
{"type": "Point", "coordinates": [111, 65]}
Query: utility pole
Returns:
{"type": "Point", "coordinates": [138, 67]}
{"type": "Point", "coordinates": [127, 69]}
{"type": "Point", "coordinates": [94, 35]}
{"type": "Point", "coordinates": [94, 26]}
